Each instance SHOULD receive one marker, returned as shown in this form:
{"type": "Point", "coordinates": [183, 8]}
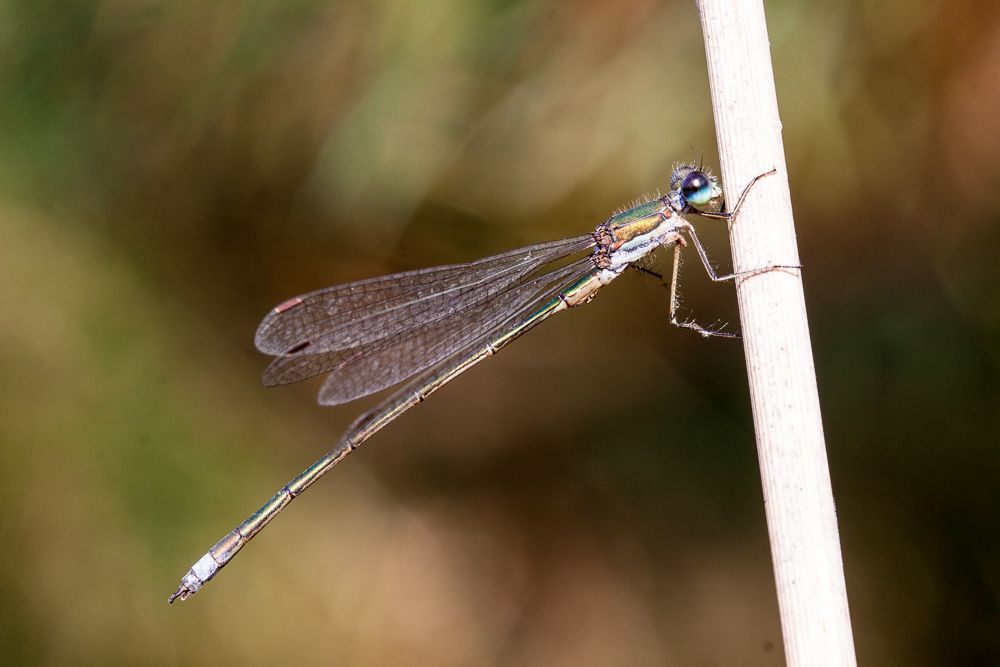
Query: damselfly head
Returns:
{"type": "Point", "coordinates": [696, 187]}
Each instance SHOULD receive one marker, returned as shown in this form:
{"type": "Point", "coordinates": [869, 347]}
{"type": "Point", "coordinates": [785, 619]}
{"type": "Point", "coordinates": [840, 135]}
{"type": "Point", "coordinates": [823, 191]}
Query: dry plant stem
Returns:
{"type": "Point", "coordinates": [801, 519]}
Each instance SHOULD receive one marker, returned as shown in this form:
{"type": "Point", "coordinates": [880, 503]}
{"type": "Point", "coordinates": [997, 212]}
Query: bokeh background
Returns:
{"type": "Point", "coordinates": [170, 170]}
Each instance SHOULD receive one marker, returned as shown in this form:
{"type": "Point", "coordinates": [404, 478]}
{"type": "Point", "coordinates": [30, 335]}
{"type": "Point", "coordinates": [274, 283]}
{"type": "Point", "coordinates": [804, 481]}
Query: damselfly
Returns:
{"type": "Point", "coordinates": [434, 324]}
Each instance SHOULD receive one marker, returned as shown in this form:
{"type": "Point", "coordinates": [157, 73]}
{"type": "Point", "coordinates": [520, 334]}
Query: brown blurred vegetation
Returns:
{"type": "Point", "coordinates": [169, 170]}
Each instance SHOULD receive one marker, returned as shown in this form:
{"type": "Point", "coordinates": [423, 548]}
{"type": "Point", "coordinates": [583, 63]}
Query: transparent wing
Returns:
{"type": "Point", "coordinates": [371, 367]}
{"type": "Point", "coordinates": [410, 354]}
{"type": "Point", "coordinates": [479, 346]}
{"type": "Point", "coordinates": [351, 315]}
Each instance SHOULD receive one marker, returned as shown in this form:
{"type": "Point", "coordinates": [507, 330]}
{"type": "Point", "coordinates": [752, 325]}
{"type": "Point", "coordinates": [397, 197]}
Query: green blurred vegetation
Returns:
{"type": "Point", "coordinates": [169, 170]}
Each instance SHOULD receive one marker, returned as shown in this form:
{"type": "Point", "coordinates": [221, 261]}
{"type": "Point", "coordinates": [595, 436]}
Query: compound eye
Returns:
{"type": "Point", "coordinates": [697, 188]}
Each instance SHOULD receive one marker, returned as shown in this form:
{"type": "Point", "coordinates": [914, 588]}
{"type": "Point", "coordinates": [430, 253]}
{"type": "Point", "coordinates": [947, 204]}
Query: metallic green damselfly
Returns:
{"type": "Point", "coordinates": [431, 325]}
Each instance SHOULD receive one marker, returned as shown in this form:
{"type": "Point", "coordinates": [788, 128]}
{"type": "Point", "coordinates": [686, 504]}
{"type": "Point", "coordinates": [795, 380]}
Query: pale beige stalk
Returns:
{"type": "Point", "coordinates": [802, 522]}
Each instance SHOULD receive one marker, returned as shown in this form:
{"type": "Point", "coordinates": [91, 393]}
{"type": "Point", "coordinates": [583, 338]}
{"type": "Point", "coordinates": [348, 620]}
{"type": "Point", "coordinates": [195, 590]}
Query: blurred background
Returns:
{"type": "Point", "coordinates": [171, 170]}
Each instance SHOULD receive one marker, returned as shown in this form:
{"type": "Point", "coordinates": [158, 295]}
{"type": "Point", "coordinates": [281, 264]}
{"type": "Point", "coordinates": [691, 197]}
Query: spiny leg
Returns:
{"type": "Point", "coordinates": [689, 229]}
{"type": "Point", "coordinates": [715, 277]}
{"type": "Point", "coordinates": [731, 215]}
{"type": "Point", "coordinates": [709, 269]}
{"type": "Point", "coordinates": [675, 299]}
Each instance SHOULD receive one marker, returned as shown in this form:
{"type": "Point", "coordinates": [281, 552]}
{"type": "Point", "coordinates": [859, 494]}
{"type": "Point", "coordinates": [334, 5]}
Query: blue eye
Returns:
{"type": "Point", "coordinates": [697, 188]}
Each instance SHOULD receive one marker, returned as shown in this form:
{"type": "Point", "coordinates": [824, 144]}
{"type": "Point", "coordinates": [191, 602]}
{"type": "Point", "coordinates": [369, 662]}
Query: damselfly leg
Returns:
{"type": "Point", "coordinates": [709, 269]}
